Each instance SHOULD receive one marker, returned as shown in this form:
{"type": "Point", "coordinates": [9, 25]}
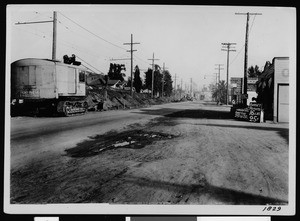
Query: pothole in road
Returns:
{"type": "Point", "coordinates": [134, 139]}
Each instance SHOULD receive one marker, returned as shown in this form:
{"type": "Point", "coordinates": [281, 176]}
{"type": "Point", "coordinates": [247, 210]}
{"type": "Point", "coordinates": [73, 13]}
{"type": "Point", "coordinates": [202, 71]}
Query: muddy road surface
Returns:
{"type": "Point", "coordinates": [178, 153]}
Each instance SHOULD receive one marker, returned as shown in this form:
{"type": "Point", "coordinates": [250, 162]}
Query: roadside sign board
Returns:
{"type": "Point", "coordinates": [242, 114]}
{"type": "Point", "coordinates": [254, 112]}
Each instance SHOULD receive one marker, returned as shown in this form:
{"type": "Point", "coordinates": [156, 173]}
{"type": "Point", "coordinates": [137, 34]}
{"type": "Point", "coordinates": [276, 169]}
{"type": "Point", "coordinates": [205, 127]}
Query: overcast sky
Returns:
{"type": "Point", "coordinates": [186, 38]}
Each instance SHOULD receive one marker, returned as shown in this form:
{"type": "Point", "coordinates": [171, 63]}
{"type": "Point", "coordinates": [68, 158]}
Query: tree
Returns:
{"type": "Point", "coordinates": [157, 80]}
{"type": "Point", "coordinates": [254, 71]}
{"type": "Point", "coordinates": [219, 92]}
{"type": "Point", "coordinates": [148, 79]}
{"type": "Point", "coordinates": [115, 72]}
{"type": "Point", "coordinates": [137, 81]}
{"type": "Point", "coordinates": [128, 82]}
{"type": "Point", "coordinates": [168, 83]}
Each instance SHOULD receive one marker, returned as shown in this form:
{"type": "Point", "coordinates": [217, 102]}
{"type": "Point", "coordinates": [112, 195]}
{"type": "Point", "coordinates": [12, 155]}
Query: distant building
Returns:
{"type": "Point", "coordinates": [113, 83]}
{"type": "Point", "coordinates": [93, 79]}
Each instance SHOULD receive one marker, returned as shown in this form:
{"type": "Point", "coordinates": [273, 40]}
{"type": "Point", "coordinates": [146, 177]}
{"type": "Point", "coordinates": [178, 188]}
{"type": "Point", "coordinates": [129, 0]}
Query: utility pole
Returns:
{"type": "Point", "coordinates": [54, 40]}
{"type": "Point", "coordinates": [152, 85]}
{"type": "Point", "coordinates": [131, 70]}
{"type": "Point", "coordinates": [217, 89]}
{"type": "Point", "coordinates": [180, 87]}
{"type": "Point", "coordinates": [191, 87]}
{"type": "Point", "coordinates": [226, 47]}
{"type": "Point", "coordinates": [175, 85]}
{"type": "Point", "coordinates": [162, 82]}
{"type": "Point", "coordinates": [219, 68]}
{"type": "Point", "coordinates": [246, 54]}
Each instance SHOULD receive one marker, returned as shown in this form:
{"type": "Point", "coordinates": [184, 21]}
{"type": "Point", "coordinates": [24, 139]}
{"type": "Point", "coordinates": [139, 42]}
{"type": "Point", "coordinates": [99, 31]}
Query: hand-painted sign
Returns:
{"type": "Point", "coordinates": [242, 114]}
{"type": "Point", "coordinates": [254, 112]}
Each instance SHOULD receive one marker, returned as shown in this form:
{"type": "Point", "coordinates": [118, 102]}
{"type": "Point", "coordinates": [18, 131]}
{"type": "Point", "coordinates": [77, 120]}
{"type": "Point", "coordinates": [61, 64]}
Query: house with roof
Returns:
{"type": "Point", "coordinates": [94, 79]}
{"type": "Point", "coordinates": [113, 83]}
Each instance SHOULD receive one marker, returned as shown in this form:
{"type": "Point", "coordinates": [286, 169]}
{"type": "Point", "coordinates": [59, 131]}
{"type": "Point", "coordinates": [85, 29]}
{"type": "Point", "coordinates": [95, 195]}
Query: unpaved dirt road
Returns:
{"type": "Point", "coordinates": [178, 153]}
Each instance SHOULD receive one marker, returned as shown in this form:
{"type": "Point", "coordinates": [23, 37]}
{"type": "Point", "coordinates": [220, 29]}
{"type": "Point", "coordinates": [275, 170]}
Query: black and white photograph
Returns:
{"type": "Point", "coordinates": [150, 109]}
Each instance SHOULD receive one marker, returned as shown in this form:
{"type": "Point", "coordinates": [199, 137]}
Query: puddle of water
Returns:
{"type": "Point", "coordinates": [121, 144]}
{"type": "Point", "coordinates": [135, 139]}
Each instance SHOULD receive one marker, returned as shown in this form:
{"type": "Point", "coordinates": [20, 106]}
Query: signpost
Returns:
{"type": "Point", "coordinates": [253, 113]}
{"type": "Point", "coordinates": [242, 114]}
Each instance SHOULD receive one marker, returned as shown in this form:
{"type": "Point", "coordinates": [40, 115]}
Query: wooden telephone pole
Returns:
{"type": "Point", "coordinates": [152, 84]}
{"type": "Point", "coordinates": [219, 68]}
{"type": "Point", "coordinates": [54, 31]}
{"type": "Point", "coordinates": [131, 69]}
{"type": "Point", "coordinates": [246, 54]}
{"type": "Point", "coordinates": [226, 47]}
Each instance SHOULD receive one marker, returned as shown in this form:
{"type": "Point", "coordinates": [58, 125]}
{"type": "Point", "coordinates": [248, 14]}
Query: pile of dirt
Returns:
{"type": "Point", "coordinates": [119, 99]}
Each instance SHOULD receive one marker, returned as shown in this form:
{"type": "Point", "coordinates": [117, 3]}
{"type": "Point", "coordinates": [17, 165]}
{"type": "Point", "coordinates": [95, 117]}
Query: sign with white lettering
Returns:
{"type": "Point", "coordinates": [254, 112]}
{"type": "Point", "coordinates": [242, 114]}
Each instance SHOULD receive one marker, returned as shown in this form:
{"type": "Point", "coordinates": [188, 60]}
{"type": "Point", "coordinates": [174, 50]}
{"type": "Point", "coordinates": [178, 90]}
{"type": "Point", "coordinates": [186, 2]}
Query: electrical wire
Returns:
{"type": "Point", "coordinates": [89, 64]}
{"type": "Point", "coordinates": [252, 23]}
{"type": "Point", "coordinates": [99, 37]}
{"type": "Point", "coordinates": [92, 32]}
{"type": "Point", "coordinates": [244, 44]}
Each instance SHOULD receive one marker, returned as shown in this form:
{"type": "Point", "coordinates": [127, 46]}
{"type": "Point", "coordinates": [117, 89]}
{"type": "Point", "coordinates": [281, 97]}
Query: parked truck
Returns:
{"type": "Point", "coordinates": [48, 85]}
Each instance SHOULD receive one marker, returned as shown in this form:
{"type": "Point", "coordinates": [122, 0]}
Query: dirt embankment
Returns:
{"type": "Point", "coordinates": [120, 99]}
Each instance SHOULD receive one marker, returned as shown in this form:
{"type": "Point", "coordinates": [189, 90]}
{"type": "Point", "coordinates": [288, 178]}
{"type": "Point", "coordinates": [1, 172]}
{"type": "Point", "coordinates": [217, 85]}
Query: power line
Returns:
{"type": "Point", "coordinates": [89, 64]}
{"type": "Point", "coordinates": [244, 44]}
{"type": "Point", "coordinates": [54, 21]}
{"type": "Point", "coordinates": [252, 23]}
{"type": "Point", "coordinates": [141, 59]}
{"type": "Point", "coordinates": [92, 32]}
{"type": "Point", "coordinates": [237, 55]}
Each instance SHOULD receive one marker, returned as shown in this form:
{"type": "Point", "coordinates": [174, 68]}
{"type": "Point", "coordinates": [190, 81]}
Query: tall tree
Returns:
{"type": "Point", "coordinates": [157, 80]}
{"type": "Point", "coordinates": [115, 71]}
{"type": "Point", "coordinates": [137, 81]}
{"type": "Point", "coordinates": [128, 82]}
{"type": "Point", "coordinates": [219, 92]}
{"type": "Point", "coordinates": [168, 83]}
{"type": "Point", "coordinates": [148, 79]}
{"type": "Point", "coordinates": [254, 71]}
